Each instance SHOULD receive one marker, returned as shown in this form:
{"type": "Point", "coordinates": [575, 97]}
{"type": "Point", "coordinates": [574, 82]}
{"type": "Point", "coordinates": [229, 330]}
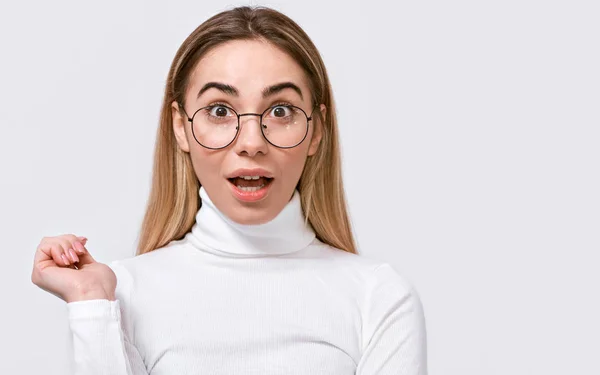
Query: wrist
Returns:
{"type": "Point", "coordinates": [86, 295]}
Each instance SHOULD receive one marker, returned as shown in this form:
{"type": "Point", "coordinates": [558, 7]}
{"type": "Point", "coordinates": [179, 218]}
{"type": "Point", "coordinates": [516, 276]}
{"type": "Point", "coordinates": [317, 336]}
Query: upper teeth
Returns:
{"type": "Point", "coordinates": [250, 177]}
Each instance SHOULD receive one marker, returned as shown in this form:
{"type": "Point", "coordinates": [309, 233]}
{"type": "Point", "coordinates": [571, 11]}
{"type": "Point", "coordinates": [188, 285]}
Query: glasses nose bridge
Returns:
{"type": "Point", "coordinates": [249, 114]}
{"type": "Point", "coordinates": [260, 125]}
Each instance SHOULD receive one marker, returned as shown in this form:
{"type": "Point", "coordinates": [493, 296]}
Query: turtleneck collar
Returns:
{"type": "Point", "coordinates": [216, 233]}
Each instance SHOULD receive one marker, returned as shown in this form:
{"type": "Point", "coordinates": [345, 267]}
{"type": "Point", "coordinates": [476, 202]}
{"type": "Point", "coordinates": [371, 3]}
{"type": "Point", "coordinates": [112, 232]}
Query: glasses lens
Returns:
{"type": "Point", "coordinates": [284, 125]}
{"type": "Point", "coordinates": [215, 126]}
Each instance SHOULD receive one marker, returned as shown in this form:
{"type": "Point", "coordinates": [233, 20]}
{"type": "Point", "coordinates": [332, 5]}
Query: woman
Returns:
{"type": "Point", "coordinates": [246, 261]}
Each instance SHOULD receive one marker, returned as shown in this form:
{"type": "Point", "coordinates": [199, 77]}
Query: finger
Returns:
{"type": "Point", "coordinates": [50, 251]}
{"type": "Point", "coordinates": [79, 249]}
{"type": "Point", "coordinates": [74, 257]}
{"type": "Point", "coordinates": [42, 253]}
{"type": "Point", "coordinates": [72, 239]}
{"type": "Point", "coordinates": [68, 247]}
{"type": "Point", "coordinates": [84, 255]}
{"type": "Point", "coordinates": [60, 256]}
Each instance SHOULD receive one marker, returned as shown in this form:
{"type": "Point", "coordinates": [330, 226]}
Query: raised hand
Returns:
{"type": "Point", "coordinates": [64, 267]}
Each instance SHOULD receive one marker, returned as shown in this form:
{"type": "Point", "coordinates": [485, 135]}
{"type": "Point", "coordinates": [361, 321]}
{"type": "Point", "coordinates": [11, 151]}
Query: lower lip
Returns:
{"type": "Point", "coordinates": [251, 196]}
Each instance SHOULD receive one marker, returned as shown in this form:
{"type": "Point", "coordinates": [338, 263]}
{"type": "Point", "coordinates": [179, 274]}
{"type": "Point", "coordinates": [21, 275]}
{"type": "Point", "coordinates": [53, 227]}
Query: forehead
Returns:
{"type": "Point", "coordinates": [249, 65]}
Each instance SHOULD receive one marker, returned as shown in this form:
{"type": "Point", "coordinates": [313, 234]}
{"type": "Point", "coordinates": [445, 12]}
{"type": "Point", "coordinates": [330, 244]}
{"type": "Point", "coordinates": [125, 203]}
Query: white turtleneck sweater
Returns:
{"type": "Point", "coordinates": [251, 299]}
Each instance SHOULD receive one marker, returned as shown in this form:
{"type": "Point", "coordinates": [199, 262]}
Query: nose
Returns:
{"type": "Point", "coordinates": [250, 139]}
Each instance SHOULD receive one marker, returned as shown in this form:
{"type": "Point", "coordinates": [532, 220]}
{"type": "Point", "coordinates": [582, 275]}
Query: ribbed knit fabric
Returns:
{"type": "Point", "coordinates": [251, 299]}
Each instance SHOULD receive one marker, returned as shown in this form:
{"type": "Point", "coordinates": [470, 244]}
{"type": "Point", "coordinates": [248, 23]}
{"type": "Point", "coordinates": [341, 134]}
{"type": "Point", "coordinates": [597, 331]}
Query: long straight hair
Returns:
{"type": "Point", "coordinates": [174, 200]}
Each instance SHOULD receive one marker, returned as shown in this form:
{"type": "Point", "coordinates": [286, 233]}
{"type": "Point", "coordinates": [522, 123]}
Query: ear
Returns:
{"type": "Point", "coordinates": [179, 122]}
{"type": "Point", "coordinates": [317, 132]}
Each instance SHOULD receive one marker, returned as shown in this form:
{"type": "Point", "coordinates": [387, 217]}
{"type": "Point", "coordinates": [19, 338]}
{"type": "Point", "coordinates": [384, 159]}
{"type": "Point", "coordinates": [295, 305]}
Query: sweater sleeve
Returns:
{"type": "Point", "coordinates": [102, 332]}
{"type": "Point", "coordinates": [394, 332]}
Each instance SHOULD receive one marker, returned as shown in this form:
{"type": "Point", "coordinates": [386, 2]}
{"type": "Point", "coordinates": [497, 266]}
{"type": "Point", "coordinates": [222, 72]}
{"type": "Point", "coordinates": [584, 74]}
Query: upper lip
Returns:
{"type": "Point", "coordinates": [250, 172]}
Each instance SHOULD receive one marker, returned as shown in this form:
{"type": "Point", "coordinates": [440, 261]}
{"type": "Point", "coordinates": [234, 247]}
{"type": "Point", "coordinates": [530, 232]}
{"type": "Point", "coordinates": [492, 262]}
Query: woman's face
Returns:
{"type": "Point", "coordinates": [248, 68]}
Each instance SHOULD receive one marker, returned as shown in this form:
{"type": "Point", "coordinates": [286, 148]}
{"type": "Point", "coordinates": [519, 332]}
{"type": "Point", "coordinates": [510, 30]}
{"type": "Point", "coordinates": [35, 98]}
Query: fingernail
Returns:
{"type": "Point", "coordinates": [64, 258]}
{"type": "Point", "coordinates": [79, 247]}
{"type": "Point", "coordinates": [73, 256]}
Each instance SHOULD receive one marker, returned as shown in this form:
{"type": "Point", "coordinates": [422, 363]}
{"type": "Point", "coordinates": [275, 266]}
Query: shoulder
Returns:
{"type": "Point", "coordinates": [136, 267]}
{"type": "Point", "coordinates": [379, 279]}
{"type": "Point", "coordinates": [386, 277]}
{"type": "Point", "coordinates": [391, 300]}
{"type": "Point", "coordinates": [135, 273]}
{"type": "Point", "coordinates": [376, 271]}
{"type": "Point", "coordinates": [387, 288]}
{"type": "Point", "coordinates": [342, 258]}
{"type": "Point", "coordinates": [384, 287]}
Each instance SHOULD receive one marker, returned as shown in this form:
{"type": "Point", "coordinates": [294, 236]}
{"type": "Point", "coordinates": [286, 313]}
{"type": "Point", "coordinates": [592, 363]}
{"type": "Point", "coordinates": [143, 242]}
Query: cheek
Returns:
{"type": "Point", "coordinates": [293, 164]}
{"type": "Point", "coordinates": [207, 165]}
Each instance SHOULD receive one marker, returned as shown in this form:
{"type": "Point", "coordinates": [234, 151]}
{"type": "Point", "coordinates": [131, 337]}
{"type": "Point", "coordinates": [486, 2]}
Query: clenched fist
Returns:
{"type": "Point", "coordinates": [64, 267]}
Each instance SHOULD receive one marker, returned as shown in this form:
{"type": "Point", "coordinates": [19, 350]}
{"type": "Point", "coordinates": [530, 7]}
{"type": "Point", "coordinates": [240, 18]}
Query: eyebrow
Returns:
{"type": "Point", "coordinates": [266, 92]}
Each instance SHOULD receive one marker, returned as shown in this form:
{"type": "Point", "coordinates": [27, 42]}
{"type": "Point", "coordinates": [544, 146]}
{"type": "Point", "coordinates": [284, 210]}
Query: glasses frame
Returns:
{"type": "Point", "coordinates": [239, 115]}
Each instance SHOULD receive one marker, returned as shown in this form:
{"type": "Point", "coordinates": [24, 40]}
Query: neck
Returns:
{"type": "Point", "coordinates": [214, 232]}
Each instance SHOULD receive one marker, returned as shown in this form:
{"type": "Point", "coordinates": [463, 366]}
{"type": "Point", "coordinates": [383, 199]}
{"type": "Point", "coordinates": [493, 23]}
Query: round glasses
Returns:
{"type": "Point", "coordinates": [216, 126]}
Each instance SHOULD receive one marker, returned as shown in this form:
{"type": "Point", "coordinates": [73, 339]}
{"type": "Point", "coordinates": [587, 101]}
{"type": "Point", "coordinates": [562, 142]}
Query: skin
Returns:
{"type": "Point", "coordinates": [64, 267]}
{"type": "Point", "coordinates": [248, 66]}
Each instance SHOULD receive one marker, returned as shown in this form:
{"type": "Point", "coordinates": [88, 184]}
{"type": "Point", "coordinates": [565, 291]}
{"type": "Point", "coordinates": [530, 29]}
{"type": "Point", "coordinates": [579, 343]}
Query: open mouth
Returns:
{"type": "Point", "coordinates": [250, 183]}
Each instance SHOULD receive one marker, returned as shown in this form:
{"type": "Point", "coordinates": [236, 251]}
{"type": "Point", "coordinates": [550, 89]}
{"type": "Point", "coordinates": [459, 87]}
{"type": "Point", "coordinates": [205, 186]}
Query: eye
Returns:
{"type": "Point", "coordinates": [281, 110]}
{"type": "Point", "coordinates": [219, 110]}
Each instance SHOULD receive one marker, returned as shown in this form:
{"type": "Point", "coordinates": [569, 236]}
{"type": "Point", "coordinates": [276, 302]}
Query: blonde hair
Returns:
{"type": "Point", "coordinates": [174, 199]}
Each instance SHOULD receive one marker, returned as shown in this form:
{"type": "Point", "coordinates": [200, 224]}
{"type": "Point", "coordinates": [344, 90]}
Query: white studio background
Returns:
{"type": "Point", "coordinates": [470, 139]}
